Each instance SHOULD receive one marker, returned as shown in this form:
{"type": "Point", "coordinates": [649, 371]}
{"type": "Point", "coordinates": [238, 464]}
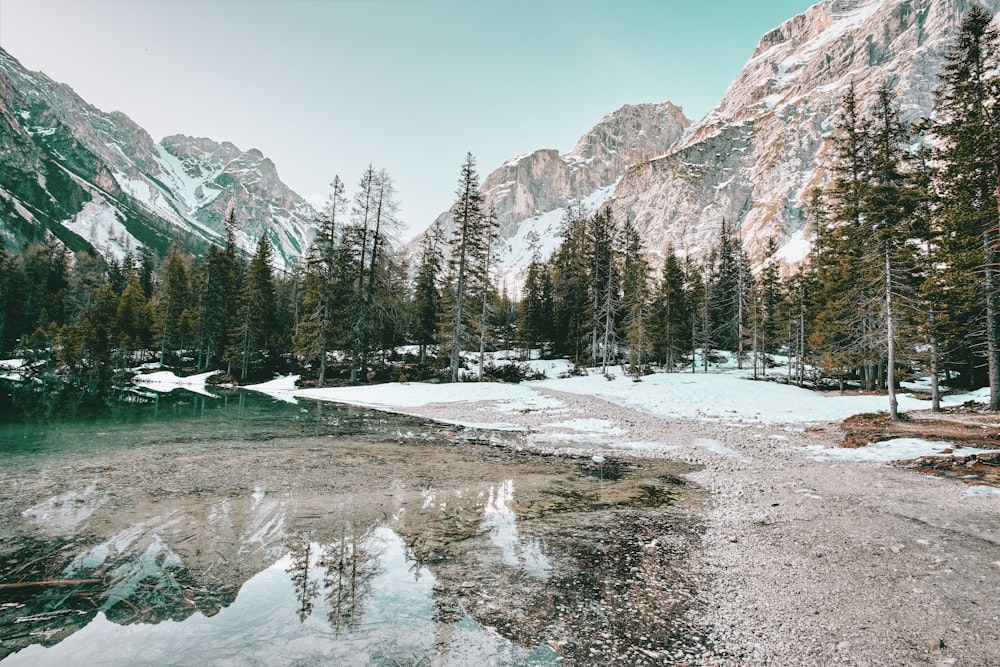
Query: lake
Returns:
{"type": "Point", "coordinates": [183, 529]}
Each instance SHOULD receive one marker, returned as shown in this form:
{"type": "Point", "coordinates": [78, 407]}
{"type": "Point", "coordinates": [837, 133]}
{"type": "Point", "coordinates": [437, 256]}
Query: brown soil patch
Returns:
{"type": "Point", "coordinates": [964, 427]}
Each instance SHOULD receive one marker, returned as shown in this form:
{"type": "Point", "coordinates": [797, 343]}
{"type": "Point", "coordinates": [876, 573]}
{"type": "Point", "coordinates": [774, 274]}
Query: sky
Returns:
{"type": "Point", "coordinates": [327, 87]}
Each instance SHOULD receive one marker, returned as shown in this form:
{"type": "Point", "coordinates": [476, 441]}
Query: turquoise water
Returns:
{"type": "Point", "coordinates": [183, 529]}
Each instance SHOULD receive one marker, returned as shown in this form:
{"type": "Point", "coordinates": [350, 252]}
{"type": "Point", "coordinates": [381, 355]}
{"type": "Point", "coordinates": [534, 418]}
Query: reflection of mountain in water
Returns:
{"type": "Point", "coordinates": [164, 568]}
{"type": "Point", "coordinates": [547, 555]}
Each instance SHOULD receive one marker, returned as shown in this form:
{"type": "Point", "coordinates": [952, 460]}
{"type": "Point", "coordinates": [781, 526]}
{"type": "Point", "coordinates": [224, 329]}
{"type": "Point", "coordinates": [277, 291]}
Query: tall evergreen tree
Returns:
{"type": "Point", "coordinates": [572, 311]}
{"type": "Point", "coordinates": [377, 310]}
{"type": "Point", "coordinates": [467, 245]}
{"type": "Point", "coordinates": [841, 321]}
{"type": "Point", "coordinates": [969, 152]}
{"type": "Point", "coordinates": [730, 281]}
{"type": "Point", "coordinates": [484, 285]}
{"type": "Point", "coordinates": [218, 280]}
{"type": "Point", "coordinates": [132, 327]}
{"type": "Point", "coordinates": [427, 295]}
{"type": "Point", "coordinates": [535, 311]}
{"type": "Point", "coordinates": [172, 298]}
{"type": "Point", "coordinates": [603, 283]}
{"type": "Point", "coordinates": [888, 207]}
{"type": "Point", "coordinates": [256, 317]}
{"type": "Point", "coordinates": [635, 299]}
{"type": "Point", "coordinates": [316, 329]}
{"type": "Point", "coordinates": [671, 313]}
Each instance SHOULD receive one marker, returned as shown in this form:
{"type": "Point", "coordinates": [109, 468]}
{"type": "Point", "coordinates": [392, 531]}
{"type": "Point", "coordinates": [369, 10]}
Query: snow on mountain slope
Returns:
{"type": "Point", "coordinates": [97, 181]}
{"type": "Point", "coordinates": [532, 192]}
{"type": "Point", "coordinates": [754, 159]}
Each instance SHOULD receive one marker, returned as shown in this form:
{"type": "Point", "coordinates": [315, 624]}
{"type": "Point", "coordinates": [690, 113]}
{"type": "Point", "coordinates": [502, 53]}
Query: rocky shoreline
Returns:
{"type": "Point", "coordinates": [806, 561]}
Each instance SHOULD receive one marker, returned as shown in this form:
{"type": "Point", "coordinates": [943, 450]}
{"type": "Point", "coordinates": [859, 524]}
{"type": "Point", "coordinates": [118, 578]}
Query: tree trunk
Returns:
{"type": "Point", "coordinates": [890, 334]}
{"type": "Point", "coordinates": [935, 390]}
{"type": "Point", "coordinates": [992, 334]}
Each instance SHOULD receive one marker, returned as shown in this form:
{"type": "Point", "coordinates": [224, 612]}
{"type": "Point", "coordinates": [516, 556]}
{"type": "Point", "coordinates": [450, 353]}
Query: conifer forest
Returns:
{"type": "Point", "coordinates": [902, 279]}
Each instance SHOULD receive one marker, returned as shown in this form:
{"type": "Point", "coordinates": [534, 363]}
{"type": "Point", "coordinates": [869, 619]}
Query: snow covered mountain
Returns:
{"type": "Point", "coordinates": [98, 181]}
{"type": "Point", "coordinates": [756, 156]}
{"type": "Point", "coordinates": [754, 159]}
{"type": "Point", "coordinates": [531, 192]}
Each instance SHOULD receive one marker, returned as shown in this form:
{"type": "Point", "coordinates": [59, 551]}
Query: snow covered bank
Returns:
{"type": "Point", "coordinates": [718, 396]}
{"type": "Point", "coordinates": [167, 381]}
{"type": "Point", "coordinates": [397, 397]}
{"type": "Point", "coordinates": [282, 388]}
{"type": "Point", "coordinates": [9, 369]}
{"type": "Point", "coordinates": [724, 396]}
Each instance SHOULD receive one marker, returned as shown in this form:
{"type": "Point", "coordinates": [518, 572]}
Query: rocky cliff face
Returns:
{"type": "Point", "coordinates": [531, 192]}
{"type": "Point", "coordinates": [543, 181]}
{"type": "Point", "coordinates": [99, 182]}
{"type": "Point", "coordinates": [754, 159]}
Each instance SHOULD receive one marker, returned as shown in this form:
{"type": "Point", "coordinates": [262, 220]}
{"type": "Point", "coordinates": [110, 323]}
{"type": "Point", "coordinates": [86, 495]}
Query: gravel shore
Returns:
{"type": "Point", "coordinates": [805, 561]}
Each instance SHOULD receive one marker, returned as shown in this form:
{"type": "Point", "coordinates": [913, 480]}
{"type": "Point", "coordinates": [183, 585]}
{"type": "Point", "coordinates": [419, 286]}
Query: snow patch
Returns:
{"type": "Point", "coordinates": [100, 224]}
{"type": "Point", "coordinates": [167, 381]}
{"type": "Point", "coordinates": [897, 449]}
{"type": "Point", "coordinates": [280, 388]}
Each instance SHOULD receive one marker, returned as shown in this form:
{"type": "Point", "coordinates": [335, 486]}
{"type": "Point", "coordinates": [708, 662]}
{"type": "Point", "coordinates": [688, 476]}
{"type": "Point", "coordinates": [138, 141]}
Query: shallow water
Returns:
{"type": "Point", "coordinates": [242, 530]}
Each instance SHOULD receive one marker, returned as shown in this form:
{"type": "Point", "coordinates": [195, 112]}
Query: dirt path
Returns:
{"type": "Point", "coordinates": [809, 562]}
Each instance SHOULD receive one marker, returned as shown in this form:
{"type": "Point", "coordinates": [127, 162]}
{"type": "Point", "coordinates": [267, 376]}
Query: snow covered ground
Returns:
{"type": "Point", "coordinates": [724, 396]}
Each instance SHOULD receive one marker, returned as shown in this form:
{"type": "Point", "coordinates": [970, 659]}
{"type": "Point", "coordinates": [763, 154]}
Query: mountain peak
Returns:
{"type": "Point", "coordinates": [756, 156]}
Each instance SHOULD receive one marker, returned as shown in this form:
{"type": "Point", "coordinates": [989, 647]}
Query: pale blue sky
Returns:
{"type": "Point", "coordinates": [325, 87]}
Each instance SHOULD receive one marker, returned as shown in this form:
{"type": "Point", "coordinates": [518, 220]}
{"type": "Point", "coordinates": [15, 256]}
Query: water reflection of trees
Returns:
{"type": "Point", "coordinates": [351, 565]}
{"type": "Point", "coordinates": [301, 573]}
{"type": "Point", "coordinates": [342, 569]}
{"type": "Point", "coordinates": [587, 566]}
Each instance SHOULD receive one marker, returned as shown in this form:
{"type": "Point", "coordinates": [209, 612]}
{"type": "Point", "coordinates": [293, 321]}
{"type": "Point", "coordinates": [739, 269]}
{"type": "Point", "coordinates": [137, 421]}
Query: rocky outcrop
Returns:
{"type": "Point", "coordinates": [754, 159]}
{"type": "Point", "coordinates": [214, 176]}
{"type": "Point", "coordinates": [531, 192]}
{"type": "Point", "coordinates": [543, 181]}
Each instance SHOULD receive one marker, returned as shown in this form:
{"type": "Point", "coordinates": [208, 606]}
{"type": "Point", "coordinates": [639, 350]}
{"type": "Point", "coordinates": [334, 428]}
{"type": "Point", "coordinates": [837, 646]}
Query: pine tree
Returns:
{"type": "Point", "coordinates": [377, 301]}
{"type": "Point", "coordinates": [603, 284]}
{"type": "Point", "coordinates": [316, 327]}
{"type": "Point", "coordinates": [219, 280]}
{"type": "Point", "coordinates": [930, 318]}
{"type": "Point", "coordinates": [132, 323]}
{"type": "Point", "coordinates": [767, 296]}
{"type": "Point", "coordinates": [146, 270]}
{"type": "Point", "coordinates": [635, 299]}
{"type": "Point", "coordinates": [427, 296]}
{"type": "Point", "coordinates": [671, 313]}
{"type": "Point", "coordinates": [730, 281]}
{"type": "Point", "coordinates": [466, 244]}
{"type": "Point", "coordinates": [571, 288]}
{"type": "Point", "coordinates": [888, 207]}
{"type": "Point", "coordinates": [257, 315]}
{"type": "Point", "coordinates": [841, 320]}
{"type": "Point", "coordinates": [535, 312]}
{"type": "Point", "coordinates": [483, 283]}
{"type": "Point", "coordinates": [969, 133]}
{"type": "Point", "coordinates": [173, 294]}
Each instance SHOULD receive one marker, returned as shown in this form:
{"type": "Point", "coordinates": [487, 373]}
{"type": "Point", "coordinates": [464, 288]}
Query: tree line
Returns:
{"type": "Point", "coordinates": [902, 277]}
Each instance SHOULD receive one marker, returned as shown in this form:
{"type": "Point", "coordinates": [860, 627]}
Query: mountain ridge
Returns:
{"type": "Point", "coordinates": [98, 181]}
{"type": "Point", "coordinates": [756, 156]}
